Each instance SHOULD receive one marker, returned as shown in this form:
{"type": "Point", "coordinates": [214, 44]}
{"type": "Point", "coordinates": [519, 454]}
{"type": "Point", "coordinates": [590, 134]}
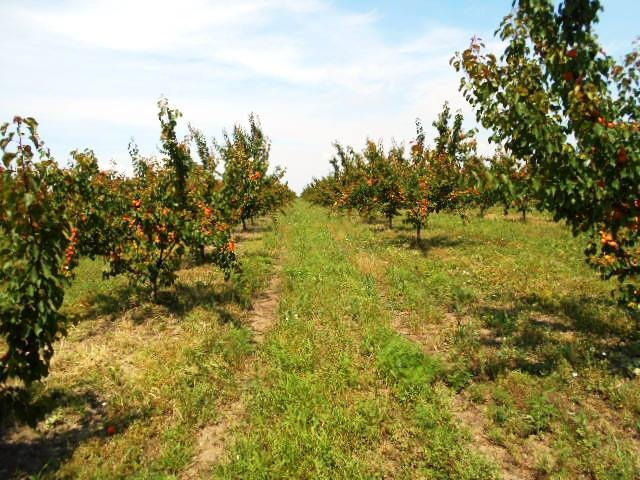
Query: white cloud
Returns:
{"type": "Point", "coordinates": [92, 71]}
{"type": "Point", "coordinates": [153, 25]}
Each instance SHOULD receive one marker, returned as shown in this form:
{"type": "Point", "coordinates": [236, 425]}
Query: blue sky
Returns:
{"type": "Point", "coordinates": [315, 71]}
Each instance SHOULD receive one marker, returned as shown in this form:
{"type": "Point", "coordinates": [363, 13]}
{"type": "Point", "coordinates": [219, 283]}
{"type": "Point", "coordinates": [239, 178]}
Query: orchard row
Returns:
{"type": "Point", "coordinates": [566, 119]}
{"type": "Point", "coordinates": [175, 206]}
{"type": "Point", "coordinates": [425, 180]}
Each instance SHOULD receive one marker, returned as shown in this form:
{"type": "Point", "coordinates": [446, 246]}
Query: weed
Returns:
{"type": "Point", "coordinates": [407, 366]}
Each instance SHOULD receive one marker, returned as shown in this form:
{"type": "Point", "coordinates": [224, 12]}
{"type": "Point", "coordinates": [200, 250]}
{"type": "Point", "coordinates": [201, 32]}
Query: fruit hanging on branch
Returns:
{"type": "Point", "coordinates": [576, 128]}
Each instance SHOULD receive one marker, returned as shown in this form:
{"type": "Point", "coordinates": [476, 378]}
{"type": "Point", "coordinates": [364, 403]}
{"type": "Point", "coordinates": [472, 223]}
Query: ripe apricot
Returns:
{"type": "Point", "coordinates": [623, 157]}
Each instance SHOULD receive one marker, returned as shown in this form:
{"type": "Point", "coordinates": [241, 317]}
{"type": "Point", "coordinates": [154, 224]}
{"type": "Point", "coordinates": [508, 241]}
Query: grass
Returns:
{"type": "Point", "coordinates": [340, 394]}
{"type": "Point", "coordinates": [134, 382]}
{"type": "Point", "coordinates": [490, 351]}
{"type": "Point", "coordinates": [532, 341]}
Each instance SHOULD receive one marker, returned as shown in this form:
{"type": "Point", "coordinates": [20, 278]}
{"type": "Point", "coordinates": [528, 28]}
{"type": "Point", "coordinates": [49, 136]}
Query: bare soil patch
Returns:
{"type": "Point", "coordinates": [473, 417]}
{"type": "Point", "coordinates": [265, 308]}
{"type": "Point", "coordinates": [432, 337]}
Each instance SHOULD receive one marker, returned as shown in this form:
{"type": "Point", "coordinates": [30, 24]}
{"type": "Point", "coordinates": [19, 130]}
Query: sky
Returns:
{"type": "Point", "coordinates": [314, 71]}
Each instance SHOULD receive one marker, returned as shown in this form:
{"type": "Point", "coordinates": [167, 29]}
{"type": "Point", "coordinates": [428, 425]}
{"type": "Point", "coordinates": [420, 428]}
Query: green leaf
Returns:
{"type": "Point", "coordinates": [7, 158]}
{"type": "Point", "coordinates": [31, 122]}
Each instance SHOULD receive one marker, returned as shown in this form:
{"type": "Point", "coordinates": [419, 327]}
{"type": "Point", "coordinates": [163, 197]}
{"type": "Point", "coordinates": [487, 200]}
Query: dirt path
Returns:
{"type": "Point", "coordinates": [265, 308]}
{"type": "Point", "coordinates": [212, 440]}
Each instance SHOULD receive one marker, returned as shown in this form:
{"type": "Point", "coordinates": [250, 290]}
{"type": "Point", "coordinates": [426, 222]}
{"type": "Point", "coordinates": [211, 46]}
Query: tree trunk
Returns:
{"type": "Point", "coordinates": [524, 215]}
{"type": "Point", "coordinates": [201, 254]}
{"type": "Point", "coordinates": [390, 217]}
{"type": "Point", "coordinates": [418, 237]}
{"type": "Point", "coordinates": [244, 225]}
{"type": "Point", "coordinates": [154, 287]}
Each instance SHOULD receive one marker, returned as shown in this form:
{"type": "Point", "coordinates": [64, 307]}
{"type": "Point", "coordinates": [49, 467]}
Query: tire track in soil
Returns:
{"type": "Point", "coordinates": [471, 416]}
{"type": "Point", "coordinates": [433, 342]}
{"type": "Point", "coordinates": [212, 442]}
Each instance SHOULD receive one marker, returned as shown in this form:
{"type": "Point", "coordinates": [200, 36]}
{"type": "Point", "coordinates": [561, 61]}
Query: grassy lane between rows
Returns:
{"type": "Point", "coordinates": [133, 383]}
{"type": "Point", "coordinates": [545, 364]}
{"type": "Point", "coordinates": [339, 393]}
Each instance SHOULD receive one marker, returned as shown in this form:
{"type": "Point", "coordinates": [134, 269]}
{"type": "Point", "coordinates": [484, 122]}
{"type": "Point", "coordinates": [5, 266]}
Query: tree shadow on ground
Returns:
{"type": "Point", "coordinates": [249, 235]}
{"type": "Point", "coordinates": [25, 451]}
{"type": "Point", "coordinates": [112, 304]}
{"type": "Point", "coordinates": [540, 334]}
{"type": "Point", "coordinates": [426, 244]}
{"type": "Point", "coordinates": [178, 300]}
{"type": "Point", "coordinates": [253, 232]}
{"type": "Point", "coordinates": [186, 297]}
